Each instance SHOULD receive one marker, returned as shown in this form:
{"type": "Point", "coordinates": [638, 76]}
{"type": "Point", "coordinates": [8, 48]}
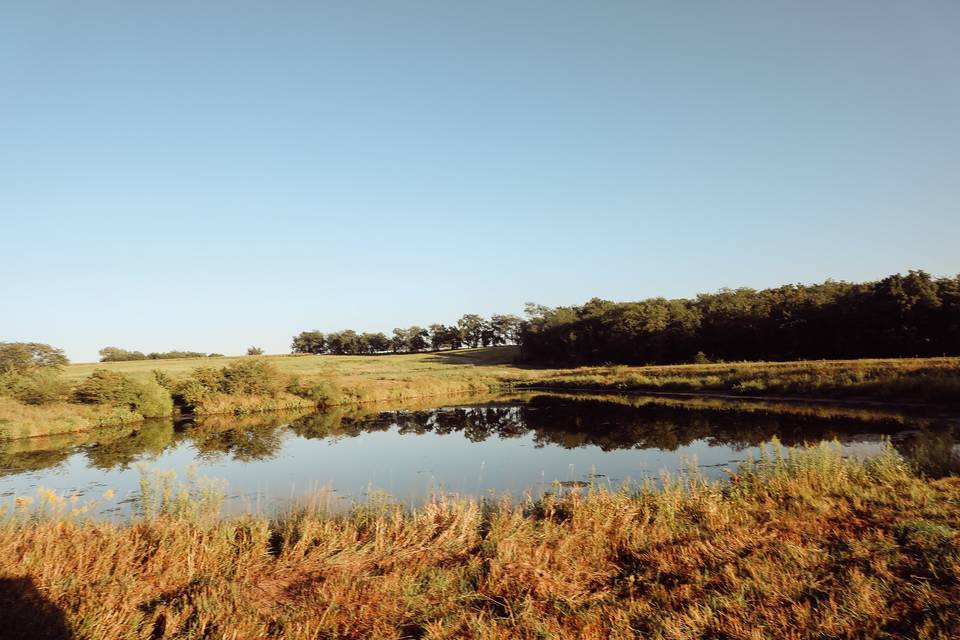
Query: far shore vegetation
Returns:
{"type": "Point", "coordinates": [799, 543]}
{"type": "Point", "coordinates": [735, 342]}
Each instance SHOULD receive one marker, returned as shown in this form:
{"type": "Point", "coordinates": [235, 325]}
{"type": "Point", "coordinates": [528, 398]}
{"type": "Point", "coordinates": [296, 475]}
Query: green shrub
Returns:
{"type": "Point", "coordinates": [252, 377]}
{"type": "Point", "coordinates": [152, 400]}
{"type": "Point", "coordinates": [105, 387]}
{"type": "Point", "coordinates": [147, 398]}
{"type": "Point", "coordinates": [323, 393]}
{"type": "Point", "coordinates": [36, 386]}
{"type": "Point", "coordinates": [242, 378]}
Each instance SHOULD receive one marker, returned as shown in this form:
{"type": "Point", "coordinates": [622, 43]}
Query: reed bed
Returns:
{"type": "Point", "coordinates": [800, 543]}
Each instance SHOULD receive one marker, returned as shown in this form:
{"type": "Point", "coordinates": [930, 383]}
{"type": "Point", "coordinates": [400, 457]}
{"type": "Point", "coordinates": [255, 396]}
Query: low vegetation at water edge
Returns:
{"type": "Point", "coordinates": [800, 543]}
{"type": "Point", "coordinates": [42, 395]}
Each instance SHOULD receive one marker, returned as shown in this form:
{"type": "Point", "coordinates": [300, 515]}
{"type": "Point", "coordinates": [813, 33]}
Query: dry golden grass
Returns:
{"type": "Point", "coordinates": [18, 420]}
{"type": "Point", "coordinates": [802, 544]}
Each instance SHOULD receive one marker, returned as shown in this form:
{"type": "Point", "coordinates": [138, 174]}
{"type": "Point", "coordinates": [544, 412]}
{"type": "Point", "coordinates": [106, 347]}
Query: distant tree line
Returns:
{"type": "Point", "coordinates": [911, 315]}
{"type": "Point", "coordinates": [115, 354]}
{"type": "Point", "coordinates": [470, 331]}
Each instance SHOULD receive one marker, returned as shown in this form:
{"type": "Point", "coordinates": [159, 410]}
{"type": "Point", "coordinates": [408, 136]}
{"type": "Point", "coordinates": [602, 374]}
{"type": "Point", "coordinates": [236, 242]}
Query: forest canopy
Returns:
{"type": "Point", "coordinates": [898, 316]}
{"type": "Point", "coordinates": [911, 315]}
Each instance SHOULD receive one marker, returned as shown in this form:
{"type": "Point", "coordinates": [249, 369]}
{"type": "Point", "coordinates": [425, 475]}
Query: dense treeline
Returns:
{"type": "Point", "coordinates": [116, 354]}
{"type": "Point", "coordinates": [912, 315]}
{"type": "Point", "coordinates": [471, 331]}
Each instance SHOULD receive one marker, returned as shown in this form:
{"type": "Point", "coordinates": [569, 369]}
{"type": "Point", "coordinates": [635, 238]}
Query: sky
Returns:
{"type": "Point", "coordinates": [214, 175]}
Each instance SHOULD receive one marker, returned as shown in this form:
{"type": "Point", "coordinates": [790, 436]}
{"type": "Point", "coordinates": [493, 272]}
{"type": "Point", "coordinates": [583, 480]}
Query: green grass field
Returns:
{"type": "Point", "coordinates": [401, 365]}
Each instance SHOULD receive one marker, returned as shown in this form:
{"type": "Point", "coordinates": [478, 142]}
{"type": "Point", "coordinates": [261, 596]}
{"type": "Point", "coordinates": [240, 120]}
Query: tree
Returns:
{"type": "Point", "coordinates": [376, 342]}
{"type": "Point", "coordinates": [471, 328]}
{"type": "Point", "coordinates": [254, 351]}
{"type": "Point", "coordinates": [417, 338]}
{"type": "Point", "coordinates": [438, 336]}
{"type": "Point", "coordinates": [20, 357]}
{"type": "Point", "coordinates": [900, 315]}
{"type": "Point", "coordinates": [309, 342]}
{"type": "Point", "coordinates": [116, 354]}
{"type": "Point", "coordinates": [504, 329]}
{"type": "Point", "coordinates": [398, 342]}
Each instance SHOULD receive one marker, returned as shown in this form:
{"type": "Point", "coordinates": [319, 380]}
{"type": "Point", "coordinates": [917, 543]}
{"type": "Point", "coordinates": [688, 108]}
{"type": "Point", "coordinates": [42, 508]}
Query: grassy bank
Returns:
{"type": "Point", "coordinates": [805, 544]}
{"type": "Point", "coordinates": [346, 380]}
{"type": "Point", "coordinates": [929, 380]}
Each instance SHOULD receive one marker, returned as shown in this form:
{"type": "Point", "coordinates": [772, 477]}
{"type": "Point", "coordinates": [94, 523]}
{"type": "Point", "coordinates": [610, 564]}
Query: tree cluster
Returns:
{"type": "Point", "coordinates": [911, 315]}
{"type": "Point", "coordinates": [471, 330]}
{"type": "Point", "coordinates": [22, 357]}
{"type": "Point", "coordinates": [116, 354]}
{"type": "Point", "coordinates": [30, 372]}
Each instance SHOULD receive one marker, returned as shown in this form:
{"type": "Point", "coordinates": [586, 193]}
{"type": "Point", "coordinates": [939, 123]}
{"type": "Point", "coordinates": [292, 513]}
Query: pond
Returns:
{"type": "Point", "coordinates": [518, 445]}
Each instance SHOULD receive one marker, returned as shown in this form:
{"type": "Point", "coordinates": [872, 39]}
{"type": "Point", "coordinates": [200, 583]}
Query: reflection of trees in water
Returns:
{"type": "Point", "coordinates": [20, 461]}
{"type": "Point", "coordinates": [110, 448]}
{"type": "Point", "coordinates": [934, 453]}
{"type": "Point", "coordinates": [246, 444]}
{"type": "Point", "coordinates": [565, 421]}
{"type": "Point", "coordinates": [150, 438]}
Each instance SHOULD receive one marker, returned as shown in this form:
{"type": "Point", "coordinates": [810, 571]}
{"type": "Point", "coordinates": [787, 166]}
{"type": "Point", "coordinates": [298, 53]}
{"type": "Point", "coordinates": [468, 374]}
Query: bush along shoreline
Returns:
{"type": "Point", "coordinates": [39, 402]}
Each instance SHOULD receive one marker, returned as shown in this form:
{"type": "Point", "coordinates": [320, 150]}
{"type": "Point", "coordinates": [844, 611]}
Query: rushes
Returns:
{"type": "Point", "coordinates": [162, 496]}
{"type": "Point", "coordinates": [799, 543]}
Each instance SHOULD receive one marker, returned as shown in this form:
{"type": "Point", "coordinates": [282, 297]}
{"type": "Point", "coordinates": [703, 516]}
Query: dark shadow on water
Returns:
{"type": "Point", "coordinates": [27, 613]}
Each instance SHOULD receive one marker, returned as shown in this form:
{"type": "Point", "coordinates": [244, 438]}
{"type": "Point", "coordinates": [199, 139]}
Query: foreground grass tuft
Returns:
{"type": "Point", "coordinates": [799, 543]}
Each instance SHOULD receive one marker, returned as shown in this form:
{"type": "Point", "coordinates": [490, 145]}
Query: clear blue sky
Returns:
{"type": "Point", "coordinates": [204, 175]}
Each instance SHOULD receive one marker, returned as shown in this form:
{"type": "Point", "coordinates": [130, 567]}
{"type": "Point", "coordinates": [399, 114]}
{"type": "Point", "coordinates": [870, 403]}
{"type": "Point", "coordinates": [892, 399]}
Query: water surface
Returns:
{"type": "Point", "coordinates": [518, 445]}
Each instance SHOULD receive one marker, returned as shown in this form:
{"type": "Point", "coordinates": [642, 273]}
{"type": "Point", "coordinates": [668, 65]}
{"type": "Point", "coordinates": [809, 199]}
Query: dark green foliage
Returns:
{"type": "Point", "coordinates": [21, 357]}
{"type": "Point", "coordinates": [471, 330]}
{"type": "Point", "coordinates": [254, 351]}
{"type": "Point", "coordinates": [912, 315]}
{"type": "Point", "coordinates": [375, 342]}
{"type": "Point", "coordinates": [147, 398]}
{"type": "Point", "coordinates": [309, 342]}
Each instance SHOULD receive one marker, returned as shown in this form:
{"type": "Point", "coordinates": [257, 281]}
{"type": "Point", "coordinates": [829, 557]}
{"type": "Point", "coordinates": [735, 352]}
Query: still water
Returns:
{"type": "Point", "coordinates": [517, 445]}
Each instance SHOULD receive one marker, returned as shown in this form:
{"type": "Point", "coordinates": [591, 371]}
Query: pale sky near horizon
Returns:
{"type": "Point", "coordinates": [214, 175]}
